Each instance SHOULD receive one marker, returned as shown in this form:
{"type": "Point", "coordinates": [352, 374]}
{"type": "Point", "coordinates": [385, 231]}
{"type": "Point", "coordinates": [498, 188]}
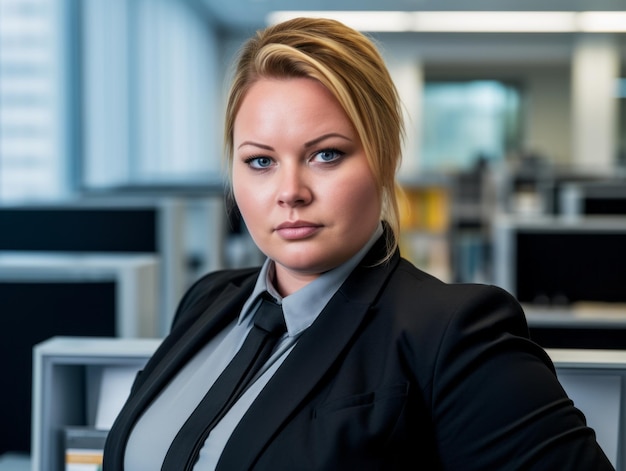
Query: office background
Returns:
{"type": "Point", "coordinates": [111, 158]}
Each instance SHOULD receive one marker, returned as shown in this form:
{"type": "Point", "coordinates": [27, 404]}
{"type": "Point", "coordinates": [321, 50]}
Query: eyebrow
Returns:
{"type": "Point", "coordinates": [256, 144]}
{"type": "Point", "coordinates": [325, 136]}
{"type": "Point", "coordinates": [306, 144]}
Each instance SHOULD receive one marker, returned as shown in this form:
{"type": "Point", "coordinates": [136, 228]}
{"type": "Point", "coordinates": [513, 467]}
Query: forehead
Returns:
{"type": "Point", "coordinates": [290, 103]}
{"type": "Point", "coordinates": [286, 89]}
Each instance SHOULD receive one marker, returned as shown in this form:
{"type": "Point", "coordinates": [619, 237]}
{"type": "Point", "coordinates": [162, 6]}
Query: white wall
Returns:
{"type": "Point", "coordinates": [548, 123]}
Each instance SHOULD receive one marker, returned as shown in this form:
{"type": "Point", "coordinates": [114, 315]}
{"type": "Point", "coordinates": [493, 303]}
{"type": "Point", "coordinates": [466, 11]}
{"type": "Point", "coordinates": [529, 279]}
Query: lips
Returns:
{"type": "Point", "coordinates": [295, 230]}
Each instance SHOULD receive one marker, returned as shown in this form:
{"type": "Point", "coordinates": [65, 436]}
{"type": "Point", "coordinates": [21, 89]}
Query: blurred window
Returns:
{"type": "Point", "coordinates": [101, 94]}
{"type": "Point", "coordinates": [34, 152]}
{"type": "Point", "coordinates": [465, 121]}
{"type": "Point", "coordinates": [150, 86]}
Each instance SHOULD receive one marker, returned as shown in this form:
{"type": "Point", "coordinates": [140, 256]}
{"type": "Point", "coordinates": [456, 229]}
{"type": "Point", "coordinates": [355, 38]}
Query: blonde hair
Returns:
{"type": "Point", "coordinates": [349, 65]}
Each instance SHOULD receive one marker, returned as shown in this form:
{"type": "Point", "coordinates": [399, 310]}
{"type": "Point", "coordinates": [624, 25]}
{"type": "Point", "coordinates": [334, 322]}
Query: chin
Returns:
{"type": "Point", "coordinates": [311, 267]}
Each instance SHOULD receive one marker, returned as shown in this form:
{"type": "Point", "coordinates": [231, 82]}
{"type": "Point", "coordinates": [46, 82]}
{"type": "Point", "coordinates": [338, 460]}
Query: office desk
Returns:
{"type": "Point", "coordinates": [587, 326]}
{"type": "Point", "coordinates": [68, 373]}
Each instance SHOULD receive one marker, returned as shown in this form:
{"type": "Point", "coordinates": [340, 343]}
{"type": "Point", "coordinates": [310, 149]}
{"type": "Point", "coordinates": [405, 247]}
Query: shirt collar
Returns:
{"type": "Point", "coordinates": [302, 307]}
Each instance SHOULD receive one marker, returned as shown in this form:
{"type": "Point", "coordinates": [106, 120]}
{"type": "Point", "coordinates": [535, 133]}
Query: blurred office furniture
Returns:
{"type": "Point", "coordinates": [424, 224]}
{"type": "Point", "coordinates": [215, 236]}
{"type": "Point", "coordinates": [596, 381]}
{"type": "Point", "coordinates": [473, 204]}
{"type": "Point", "coordinates": [554, 188]}
{"type": "Point", "coordinates": [72, 375]}
{"type": "Point", "coordinates": [521, 184]}
{"type": "Point", "coordinates": [106, 226]}
{"type": "Point", "coordinates": [79, 382]}
{"type": "Point", "coordinates": [446, 223]}
{"type": "Point", "coordinates": [48, 294]}
{"type": "Point", "coordinates": [606, 197]}
{"type": "Point", "coordinates": [569, 276]}
{"type": "Point", "coordinates": [533, 185]}
{"type": "Point", "coordinates": [205, 236]}
{"type": "Point", "coordinates": [15, 462]}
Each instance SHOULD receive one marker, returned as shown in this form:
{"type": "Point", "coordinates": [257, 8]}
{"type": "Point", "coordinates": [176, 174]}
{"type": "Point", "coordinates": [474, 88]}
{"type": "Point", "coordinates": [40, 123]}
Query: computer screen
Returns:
{"type": "Point", "coordinates": [79, 229]}
{"type": "Point", "coordinates": [557, 261]}
{"type": "Point", "coordinates": [564, 265]}
{"type": "Point", "coordinates": [30, 313]}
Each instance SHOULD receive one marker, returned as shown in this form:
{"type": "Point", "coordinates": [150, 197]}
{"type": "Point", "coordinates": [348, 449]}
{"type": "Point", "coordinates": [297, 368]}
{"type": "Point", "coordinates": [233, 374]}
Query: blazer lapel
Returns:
{"type": "Point", "coordinates": [177, 353]}
{"type": "Point", "coordinates": [308, 362]}
{"type": "Point", "coordinates": [205, 327]}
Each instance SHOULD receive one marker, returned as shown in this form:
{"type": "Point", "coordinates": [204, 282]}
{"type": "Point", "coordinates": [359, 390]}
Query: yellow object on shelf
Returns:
{"type": "Point", "coordinates": [424, 221]}
{"type": "Point", "coordinates": [425, 208]}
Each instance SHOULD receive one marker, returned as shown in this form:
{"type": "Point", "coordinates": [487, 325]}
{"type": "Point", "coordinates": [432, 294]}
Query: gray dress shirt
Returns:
{"type": "Point", "coordinates": [155, 430]}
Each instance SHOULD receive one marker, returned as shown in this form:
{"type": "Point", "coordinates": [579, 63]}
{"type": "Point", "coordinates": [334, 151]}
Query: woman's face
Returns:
{"type": "Point", "coordinates": [301, 179]}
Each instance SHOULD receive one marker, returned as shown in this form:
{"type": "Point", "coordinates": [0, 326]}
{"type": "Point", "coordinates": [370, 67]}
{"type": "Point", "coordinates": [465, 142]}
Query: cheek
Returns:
{"type": "Point", "coordinates": [244, 195]}
{"type": "Point", "coordinates": [253, 201]}
{"type": "Point", "coordinates": [361, 197]}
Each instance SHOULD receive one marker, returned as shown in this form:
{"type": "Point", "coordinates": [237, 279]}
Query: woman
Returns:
{"type": "Point", "coordinates": [382, 366]}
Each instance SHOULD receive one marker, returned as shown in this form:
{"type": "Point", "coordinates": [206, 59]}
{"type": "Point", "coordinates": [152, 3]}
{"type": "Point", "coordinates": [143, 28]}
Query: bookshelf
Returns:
{"type": "Point", "coordinates": [445, 224]}
{"type": "Point", "coordinates": [424, 223]}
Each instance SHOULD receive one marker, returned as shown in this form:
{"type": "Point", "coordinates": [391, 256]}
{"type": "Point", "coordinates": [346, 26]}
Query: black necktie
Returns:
{"type": "Point", "coordinates": [269, 325]}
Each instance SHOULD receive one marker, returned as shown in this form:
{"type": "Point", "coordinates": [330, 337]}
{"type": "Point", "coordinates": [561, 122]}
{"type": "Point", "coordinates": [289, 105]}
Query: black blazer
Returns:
{"type": "Point", "coordinates": [399, 371]}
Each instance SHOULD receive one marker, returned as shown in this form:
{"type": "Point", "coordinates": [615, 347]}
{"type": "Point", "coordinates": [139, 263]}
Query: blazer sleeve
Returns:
{"type": "Point", "coordinates": [495, 398]}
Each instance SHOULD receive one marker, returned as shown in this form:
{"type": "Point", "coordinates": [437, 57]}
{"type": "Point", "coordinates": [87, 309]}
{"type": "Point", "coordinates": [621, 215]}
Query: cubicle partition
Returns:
{"type": "Point", "coordinates": [596, 381]}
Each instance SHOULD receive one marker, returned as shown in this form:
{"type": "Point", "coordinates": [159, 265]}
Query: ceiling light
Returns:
{"type": "Point", "coordinates": [494, 21]}
{"type": "Point", "coordinates": [382, 21]}
{"type": "Point", "coordinates": [602, 21]}
{"type": "Point", "coordinates": [470, 21]}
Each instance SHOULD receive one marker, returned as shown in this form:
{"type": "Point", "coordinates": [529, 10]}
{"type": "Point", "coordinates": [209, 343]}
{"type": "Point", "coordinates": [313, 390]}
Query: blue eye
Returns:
{"type": "Point", "coordinates": [259, 162]}
{"type": "Point", "coordinates": [328, 155]}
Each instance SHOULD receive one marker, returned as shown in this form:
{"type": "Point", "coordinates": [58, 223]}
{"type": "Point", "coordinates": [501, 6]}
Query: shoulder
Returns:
{"type": "Point", "coordinates": [429, 292]}
{"type": "Point", "coordinates": [431, 311]}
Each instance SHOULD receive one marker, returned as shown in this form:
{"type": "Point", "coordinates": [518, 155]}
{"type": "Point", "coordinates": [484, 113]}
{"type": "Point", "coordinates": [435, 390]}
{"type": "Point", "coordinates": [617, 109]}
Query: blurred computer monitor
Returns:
{"type": "Point", "coordinates": [557, 261]}
{"type": "Point", "coordinates": [568, 274]}
{"type": "Point", "coordinates": [43, 295]}
{"type": "Point", "coordinates": [105, 226]}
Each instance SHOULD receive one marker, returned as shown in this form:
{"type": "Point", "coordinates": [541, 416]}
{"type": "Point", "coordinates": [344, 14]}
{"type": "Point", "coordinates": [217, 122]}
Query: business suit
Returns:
{"type": "Point", "coordinates": [399, 371]}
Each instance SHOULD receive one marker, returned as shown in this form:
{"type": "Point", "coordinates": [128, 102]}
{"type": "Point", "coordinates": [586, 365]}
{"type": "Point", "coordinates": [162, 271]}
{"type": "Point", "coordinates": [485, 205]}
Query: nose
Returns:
{"type": "Point", "coordinates": [293, 187]}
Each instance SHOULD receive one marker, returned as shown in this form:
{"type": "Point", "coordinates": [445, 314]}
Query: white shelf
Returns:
{"type": "Point", "coordinates": [566, 359]}
{"type": "Point", "coordinates": [66, 383]}
{"type": "Point", "coordinates": [601, 317]}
